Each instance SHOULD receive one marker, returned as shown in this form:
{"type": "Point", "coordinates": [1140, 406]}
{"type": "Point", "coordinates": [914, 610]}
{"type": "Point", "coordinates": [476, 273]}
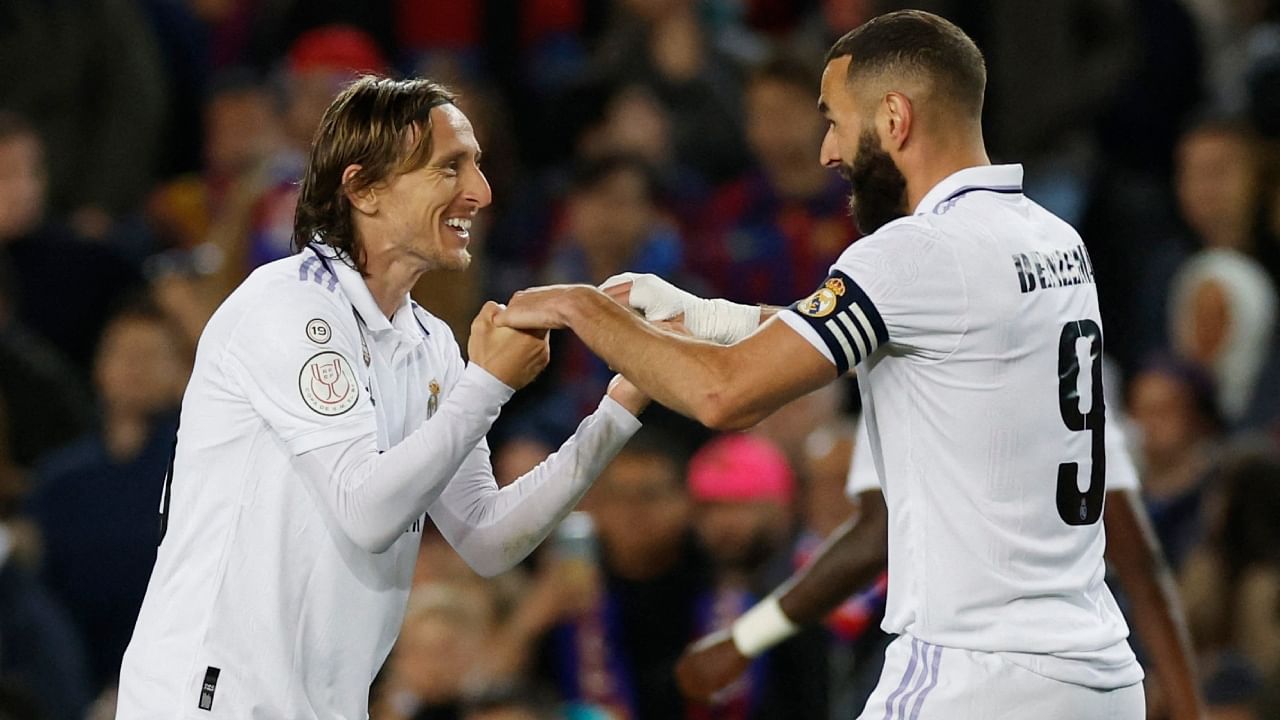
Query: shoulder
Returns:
{"type": "Point", "coordinates": [897, 236]}
{"type": "Point", "coordinates": [896, 252]}
{"type": "Point", "coordinates": [285, 288]}
{"type": "Point", "coordinates": [295, 299]}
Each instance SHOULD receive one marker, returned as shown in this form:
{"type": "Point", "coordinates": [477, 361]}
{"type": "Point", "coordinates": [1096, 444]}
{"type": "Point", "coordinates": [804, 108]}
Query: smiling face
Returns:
{"type": "Point", "coordinates": [425, 214]}
{"type": "Point", "coordinates": [878, 192]}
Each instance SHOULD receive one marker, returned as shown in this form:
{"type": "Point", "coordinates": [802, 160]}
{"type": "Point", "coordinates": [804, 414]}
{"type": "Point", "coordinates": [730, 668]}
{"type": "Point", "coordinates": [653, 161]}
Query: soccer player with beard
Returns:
{"type": "Point", "coordinates": [971, 315]}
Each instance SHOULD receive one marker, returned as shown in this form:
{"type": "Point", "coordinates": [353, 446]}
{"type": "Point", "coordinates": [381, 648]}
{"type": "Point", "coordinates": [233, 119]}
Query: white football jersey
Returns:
{"type": "Point", "coordinates": [1122, 474]}
{"type": "Point", "coordinates": [259, 608]}
{"type": "Point", "coordinates": [975, 328]}
{"type": "Point", "coordinates": [315, 436]}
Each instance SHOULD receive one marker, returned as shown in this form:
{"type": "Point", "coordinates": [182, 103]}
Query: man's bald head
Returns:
{"type": "Point", "coordinates": [911, 49]}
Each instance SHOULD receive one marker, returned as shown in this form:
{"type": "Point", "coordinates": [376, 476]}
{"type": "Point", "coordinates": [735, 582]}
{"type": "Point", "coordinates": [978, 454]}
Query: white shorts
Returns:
{"type": "Point", "coordinates": [929, 682]}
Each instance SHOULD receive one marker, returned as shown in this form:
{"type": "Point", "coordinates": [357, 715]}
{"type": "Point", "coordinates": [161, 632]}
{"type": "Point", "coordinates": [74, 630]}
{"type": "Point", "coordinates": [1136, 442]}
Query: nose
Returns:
{"type": "Point", "coordinates": [829, 155]}
{"type": "Point", "coordinates": [477, 190]}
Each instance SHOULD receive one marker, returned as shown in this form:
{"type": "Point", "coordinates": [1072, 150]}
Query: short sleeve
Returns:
{"type": "Point", "coordinates": [1121, 472]}
{"type": "Point", "coordinates": [295, 358]}
{"type": "Point", "coordinates": [902, 286]}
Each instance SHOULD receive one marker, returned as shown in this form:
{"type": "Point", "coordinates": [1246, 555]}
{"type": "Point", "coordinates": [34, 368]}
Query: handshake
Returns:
{"type": "Point", "coordinates": [511, 342]}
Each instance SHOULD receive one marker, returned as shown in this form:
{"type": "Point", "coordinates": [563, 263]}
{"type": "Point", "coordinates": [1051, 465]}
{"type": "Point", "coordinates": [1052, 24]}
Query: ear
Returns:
{"type": "Point", "coordinates": [363, 200]}
{"type": "Point", "coordinates": [897, 119]}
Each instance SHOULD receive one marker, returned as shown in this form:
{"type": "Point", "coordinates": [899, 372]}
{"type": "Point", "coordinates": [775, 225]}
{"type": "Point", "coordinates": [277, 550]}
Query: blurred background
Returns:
{"type": "Point", "coordinates": [149, 152]}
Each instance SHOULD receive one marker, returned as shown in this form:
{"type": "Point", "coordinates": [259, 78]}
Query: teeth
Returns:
{"type": "Point", "coordinates": [463, 224]}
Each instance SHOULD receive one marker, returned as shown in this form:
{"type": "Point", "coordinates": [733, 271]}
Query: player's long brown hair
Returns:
{"type": "Point", "coordinates": [381, 124]}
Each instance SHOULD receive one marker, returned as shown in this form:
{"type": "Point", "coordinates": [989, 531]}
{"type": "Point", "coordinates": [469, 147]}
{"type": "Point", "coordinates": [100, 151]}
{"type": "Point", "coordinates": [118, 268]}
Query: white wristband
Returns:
{"type": "Point", "coordinates": [762, 627]}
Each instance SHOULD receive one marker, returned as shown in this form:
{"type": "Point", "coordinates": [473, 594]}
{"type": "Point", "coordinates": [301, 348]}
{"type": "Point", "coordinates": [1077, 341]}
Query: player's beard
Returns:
{"type": "Point", "coordinates": [455, 261]}
{"type": "Point", "coordinates": [879, 190]}
{"type": "Point", "coordinates": [445, 254]}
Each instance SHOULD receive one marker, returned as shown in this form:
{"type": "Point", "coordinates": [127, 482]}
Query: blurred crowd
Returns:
{"type": "Point", "coordinates": [149, 153]}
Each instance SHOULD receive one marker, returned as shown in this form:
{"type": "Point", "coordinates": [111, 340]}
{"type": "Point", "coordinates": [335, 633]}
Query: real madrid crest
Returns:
{"type": "Point", "coordinates": [433, 402]}
{"type": "Point", "coordinates": [822, 302]}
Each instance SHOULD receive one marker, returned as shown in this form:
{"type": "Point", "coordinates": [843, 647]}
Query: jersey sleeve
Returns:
{"type": "Point", "coordinates": [901, 286]}
{"type": "Point", "coordinates": [1121, 472]}
{"type": "Point", "coordinates": [295, 358]}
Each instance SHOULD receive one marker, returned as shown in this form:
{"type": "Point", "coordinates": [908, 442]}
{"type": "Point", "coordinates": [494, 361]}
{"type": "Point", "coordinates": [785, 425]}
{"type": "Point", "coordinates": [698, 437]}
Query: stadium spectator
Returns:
{"type": "Point", "coordinates": [317, 65]}
{"type": "Point", "coordinates": [662, 45]}
{"type": "Point", "coordinates": [791, 426]}
{"type": "Point", "coordinates": [1173, 407]}
{"type": "Point", "coordinates": [616, 648]}
{"type": "Point", "coordinates": [42, 665]}
{"type": "Point", "coordinates": [63, 287]}
{"type": "Point", "coordinates": [1219, 199]}
{"type": "Point", "coordinates": [212, 210]}
{"type": "Point", "coordinates": [767, 235]}
{"type": "Point", "coordinates": [511, 702]}
{"type": "Point", "coordinates": [96, 500]}
{"type": "Point", "coordinates": [1088, 45]}
{"type": "Point", "coordinates": [1231, 582]}
{"type": "Point", "coordinates": [1219, 182]}
{"type": "Point", "coordinates": [1233, 689]}
{"type": "Point", "coordinates": [1237, 36]}
{"type": "Point", "coordinates": [88, 74]}
{"type": "Point", "coordinates": [857, 651]}
{"type": "Point", "coordinates": [613, 221]}
{"type": "Point", "coordinates": [743, 490]}
{"type": "Point", "coordinates": [1222, 316]}
{"type": "Point", "coordinates": [441, 653]}
{"type": "Point", "coordinates": [38, 386]}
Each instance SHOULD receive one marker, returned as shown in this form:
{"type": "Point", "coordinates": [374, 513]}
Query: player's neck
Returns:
{"type": "Point", "coordinates": [940, 162]}
{"type": "Point", "coordinates": [390, 280]}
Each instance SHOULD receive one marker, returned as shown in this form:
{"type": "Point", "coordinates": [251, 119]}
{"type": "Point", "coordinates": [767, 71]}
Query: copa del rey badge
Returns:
{"type": "Point", "coordinates": [328, 385]}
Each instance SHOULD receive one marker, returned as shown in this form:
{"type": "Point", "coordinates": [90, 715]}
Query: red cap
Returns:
{"type": "Point", "coordinates": [339, 48]}
{"type": "Point", "coordinates": [737, 468]}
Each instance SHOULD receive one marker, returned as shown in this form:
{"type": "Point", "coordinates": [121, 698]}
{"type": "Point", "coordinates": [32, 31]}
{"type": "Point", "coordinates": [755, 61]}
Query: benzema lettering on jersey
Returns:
{"type": "Point", "coordinates": [328, 384]}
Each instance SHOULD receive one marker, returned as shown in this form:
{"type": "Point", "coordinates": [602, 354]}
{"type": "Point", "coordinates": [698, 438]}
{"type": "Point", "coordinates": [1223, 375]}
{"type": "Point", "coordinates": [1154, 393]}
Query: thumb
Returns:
{"type": "Point", "coordinates": [501, 318]}
{"type": "Point", "coordinates": [626, 277]}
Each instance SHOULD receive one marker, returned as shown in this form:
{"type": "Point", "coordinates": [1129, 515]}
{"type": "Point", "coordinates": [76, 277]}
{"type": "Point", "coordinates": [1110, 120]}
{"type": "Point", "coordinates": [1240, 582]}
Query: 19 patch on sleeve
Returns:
{"type": "Point", "coordinates": [846, 320]}
{"type": "Point", "coordinates": [328, 384]}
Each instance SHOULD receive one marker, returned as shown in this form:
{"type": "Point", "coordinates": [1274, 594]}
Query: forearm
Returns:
{"type": "Point", "coordinates": [685, 374]}
{"type": "Point", "coordinates": [494, 528]}
{"type": "Point", "coordinates": [854, 555]}
{"type": "Point", "coordinates": [375, 496]}
{"type": "Point", "coordinates": [851, 559]}
{"type": "Point", "coordinates": [1157, 614]}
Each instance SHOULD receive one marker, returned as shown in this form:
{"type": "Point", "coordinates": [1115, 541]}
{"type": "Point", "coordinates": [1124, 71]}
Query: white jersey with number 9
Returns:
{"type": "Point", "coordinates": [975, 328]}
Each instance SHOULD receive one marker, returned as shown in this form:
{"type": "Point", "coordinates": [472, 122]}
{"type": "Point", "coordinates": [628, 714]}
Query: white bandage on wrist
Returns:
{"type": "Point", "coordinates": [762, 627]}
{"type": "Point", "coordinates": [718, 321]}
{"type": "Point", "coordinates": [721, 321]}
